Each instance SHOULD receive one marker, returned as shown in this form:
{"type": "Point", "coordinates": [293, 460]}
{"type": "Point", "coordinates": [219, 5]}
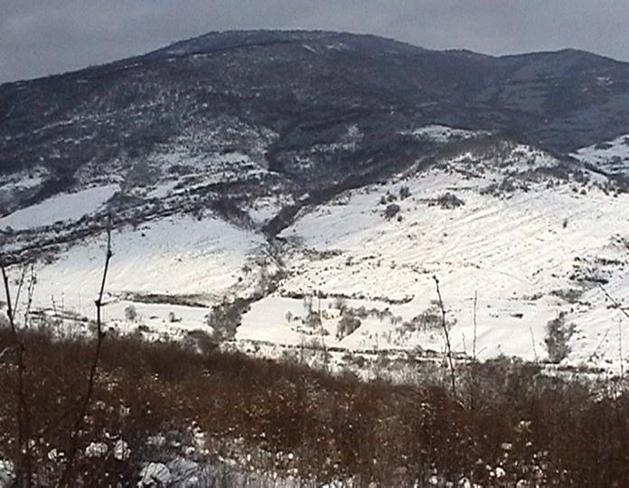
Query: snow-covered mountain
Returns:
{"type": "Point", "coordinates": [321, 181]}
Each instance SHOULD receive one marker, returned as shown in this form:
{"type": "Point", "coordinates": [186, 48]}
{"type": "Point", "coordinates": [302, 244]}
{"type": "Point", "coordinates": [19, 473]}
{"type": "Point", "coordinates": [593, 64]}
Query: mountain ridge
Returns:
{"type": "Point", "coordinates": [306, 32]}
{"type": "Point", "coordinates": [306, 98]}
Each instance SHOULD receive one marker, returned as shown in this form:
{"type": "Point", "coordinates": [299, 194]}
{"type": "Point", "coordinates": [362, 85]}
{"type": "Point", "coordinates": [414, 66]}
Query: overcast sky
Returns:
{"type": "Point", "coordinates": [40, 37]}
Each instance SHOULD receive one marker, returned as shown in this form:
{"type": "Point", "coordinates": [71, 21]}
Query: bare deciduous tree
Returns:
{"type": "Point", "coordinates": [446, 334]}
{"type": "Point", "coordinates": [24, 462]}
{"type": "Point", "coordinates": [66, 477]}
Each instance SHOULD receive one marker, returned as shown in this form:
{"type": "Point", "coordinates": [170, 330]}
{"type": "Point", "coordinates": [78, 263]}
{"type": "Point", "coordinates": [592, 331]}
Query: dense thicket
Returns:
{"type": "Point", "coordinates": [287, 419]}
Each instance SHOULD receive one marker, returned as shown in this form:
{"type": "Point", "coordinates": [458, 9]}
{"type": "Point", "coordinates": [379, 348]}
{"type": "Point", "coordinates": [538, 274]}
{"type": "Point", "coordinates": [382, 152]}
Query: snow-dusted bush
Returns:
{"type": "Point", "coordinates": [348, 323]}
{"type": "Point", "coordinates": [130, 313]}
{"type": "Point", "coordinates": [284, 421]}
{"type": "Point", "coordinates": [226, 317]}
{"type": "Point", "coordinates": [405, 192]}
{"type": "Point", "coordinates": [448, 201]}
{"type": "Point", "coordinates": [391, 210]}
{"type": "Point", "coordinates": [558, 335]}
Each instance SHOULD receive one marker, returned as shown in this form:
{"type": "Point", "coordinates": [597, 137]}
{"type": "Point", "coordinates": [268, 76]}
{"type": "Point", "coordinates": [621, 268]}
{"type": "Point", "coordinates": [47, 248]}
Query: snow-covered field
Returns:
{"type": "Point", "coordinates": [513, 251]}
{"type": "Point", "coordinates": [528, 256]}
{"type": "Point", "coordinates": [173, 260]}
{"type": "Point", "coordinates": [64, 207]}
{"type": "Point", "coordinates": [612, 156]}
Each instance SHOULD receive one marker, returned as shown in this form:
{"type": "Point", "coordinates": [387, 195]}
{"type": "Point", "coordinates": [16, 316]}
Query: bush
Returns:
{"type": "Point", "coordinates": [130, 313]}
{"type": "Point", "coordinates": [348, 323]}
{"type": "Point", "coordinates": [391, 210]}
{"type": "Point", "coordinates": [283, 419]}
{"type": "Point", "coordinates": [558, 335]}
{"type": "Point", "coordinates": [226, 317]}
{"type": "Point", "coordinates": [313, 319]}
{"type": "Point", "coordinates": [448, 201]}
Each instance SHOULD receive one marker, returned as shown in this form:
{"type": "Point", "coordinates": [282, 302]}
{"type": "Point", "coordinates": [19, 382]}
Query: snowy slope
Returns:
{"type": "Point", "coordinates": [159, 265]}
{"type": "Point", "coordinates": [533, 239]}
{"type": "Point", "coordinates": [63, 207]}
{"type": "Point", "coordinates": [612, 156]}
{"type": "Point", "coordinates": [529, 255]}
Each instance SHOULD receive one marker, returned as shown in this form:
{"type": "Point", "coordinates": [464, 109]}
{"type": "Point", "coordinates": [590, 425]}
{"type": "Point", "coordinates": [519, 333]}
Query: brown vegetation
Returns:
{"type": "Point", "coordinates": [523, 426]}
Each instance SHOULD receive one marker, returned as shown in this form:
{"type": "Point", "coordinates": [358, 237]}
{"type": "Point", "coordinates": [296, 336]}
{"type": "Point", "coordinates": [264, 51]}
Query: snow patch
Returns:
{"type": "Point", "coordinates": [611, 156]}
{"type": "Point", "coordinates": [65, 207]}
{"type": "Point", "coordinates": [443, 134]}
{"type": "Point", "coordinates": [173, 257]}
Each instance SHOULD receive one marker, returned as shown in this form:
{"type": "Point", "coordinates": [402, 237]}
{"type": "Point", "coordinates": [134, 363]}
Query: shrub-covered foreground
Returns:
{"type": "Point", "coordinates": [157, 402]}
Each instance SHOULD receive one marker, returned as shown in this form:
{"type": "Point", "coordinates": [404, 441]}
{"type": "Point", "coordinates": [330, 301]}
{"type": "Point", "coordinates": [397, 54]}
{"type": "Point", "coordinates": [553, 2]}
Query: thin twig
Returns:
{"type": "Point", "coordinates": [533, 344]}
{"type": "Point", "coordinates": [616, 303]}
{"type": "Point", "coordinates": [87, 398]}
{"type": "Point", "coordinates": [7, 292]}
{"type": "Point", "coordinates": [6, 350]}
{"type": "Point", "coordinates": [24, 464]}
{"type": "Point", "coordinates": [30, 292]}
{"type": "Point", "coordinates": [18, 292]}
{"type": "Point", "coordinates": [472, 368]}
{"type": "Point", "coordinates": [446, 334]}
{"type": "Point", "coordinates": [620, 354]}
{"type": "Point", "coordinates": [475, 326]}
{"type": "Point", "coordinates": [592, 356]}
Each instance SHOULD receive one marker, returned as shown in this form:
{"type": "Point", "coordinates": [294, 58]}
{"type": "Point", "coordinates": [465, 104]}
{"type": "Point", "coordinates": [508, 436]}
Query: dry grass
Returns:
{"type": "Point", "coordinates": [523, 426]}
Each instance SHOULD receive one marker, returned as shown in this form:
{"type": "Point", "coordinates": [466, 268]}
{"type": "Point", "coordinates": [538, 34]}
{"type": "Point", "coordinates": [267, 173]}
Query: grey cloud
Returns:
{"type": "Point", "coordinates": [44, 37]}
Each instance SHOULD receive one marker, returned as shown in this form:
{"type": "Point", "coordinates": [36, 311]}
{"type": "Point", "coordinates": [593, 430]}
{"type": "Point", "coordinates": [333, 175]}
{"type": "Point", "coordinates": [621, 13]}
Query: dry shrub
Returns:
{"type": "Point", "coordinates": [524, 427]}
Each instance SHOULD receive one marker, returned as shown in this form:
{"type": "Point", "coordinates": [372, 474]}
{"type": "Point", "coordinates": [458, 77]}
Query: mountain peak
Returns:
{"type": "Point", "coordinates": [236, 39]}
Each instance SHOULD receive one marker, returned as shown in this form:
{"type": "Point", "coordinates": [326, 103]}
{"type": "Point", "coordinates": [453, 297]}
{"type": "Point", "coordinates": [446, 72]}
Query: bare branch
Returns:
{"type": "Point", "coordinates": [5, 351]}
{"type": "Point", "coordinates": [472, 367]}
{"type": "Point", "coordinates": [20, 284]}
{"type": "Point", "coordinates": [620, 353]}
{"type": "Point", "coordinates": [617, 305]}
{"type": "Point", "coordinates": [24, 462]}
{"type": "Point", "coordinates": [65, 480]}
{"type": "Point", "coordinates": [615, 302]}
{"type": "Point", "coordinates": [475, 326]}
{"type": "Point", "coordinates": [533, 344]}
{"type": "Point", "coordinates": [30, 291]}
{"type": "Point", "coordinates": [7, 293]}
{"type": "Point", "coordinates": [446, 334]}
{"type": "Point", "coordinates": [599, 345]}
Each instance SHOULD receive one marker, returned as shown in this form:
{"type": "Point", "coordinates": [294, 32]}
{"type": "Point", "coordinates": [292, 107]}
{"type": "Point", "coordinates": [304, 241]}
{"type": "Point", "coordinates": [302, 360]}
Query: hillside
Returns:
{"type": "Point", "coordinates": [311, 177]}
{"type": "Point", "coordinates": [288, 101]}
